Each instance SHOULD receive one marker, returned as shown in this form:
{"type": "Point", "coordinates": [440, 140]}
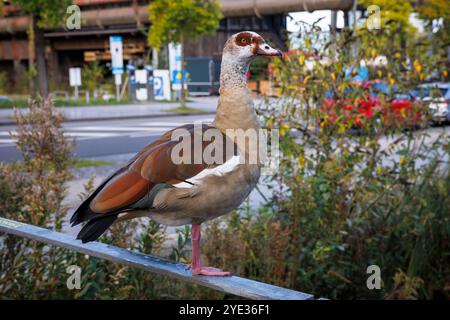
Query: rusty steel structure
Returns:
{"type": "Point", "coordinates": [129, 18]}
{"type": "Point", "coordinates": [139, 13]}
{"type": "Point", "coordinates": [259, 8]}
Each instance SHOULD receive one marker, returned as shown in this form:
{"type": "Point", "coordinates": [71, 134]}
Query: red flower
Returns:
{"type": "Point", "coordinates": [398, 105]}
{"type": "Point", "coordinates": [348, 107]}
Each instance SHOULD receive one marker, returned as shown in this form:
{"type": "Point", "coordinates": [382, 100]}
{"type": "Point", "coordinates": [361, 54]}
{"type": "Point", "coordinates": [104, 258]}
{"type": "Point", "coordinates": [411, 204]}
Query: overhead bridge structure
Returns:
{"type": "Point", "coordinates": [129, 18]}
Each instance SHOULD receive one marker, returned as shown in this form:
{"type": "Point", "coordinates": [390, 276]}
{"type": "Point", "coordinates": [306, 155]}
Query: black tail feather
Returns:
{"type": "Point", "coordinates": [84, 213]}
{"type": "Point", "coordinates": [95, 228]}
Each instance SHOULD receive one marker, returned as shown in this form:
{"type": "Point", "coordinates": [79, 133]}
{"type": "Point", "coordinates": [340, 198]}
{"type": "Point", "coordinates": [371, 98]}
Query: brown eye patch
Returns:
{"type": "Point", "coordinates": [244, 39]}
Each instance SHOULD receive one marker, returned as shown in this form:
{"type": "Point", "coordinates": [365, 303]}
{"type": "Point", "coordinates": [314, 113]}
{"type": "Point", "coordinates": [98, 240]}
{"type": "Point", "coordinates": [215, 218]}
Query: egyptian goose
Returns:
{"type": "Point", "coordinates": [175, 193]}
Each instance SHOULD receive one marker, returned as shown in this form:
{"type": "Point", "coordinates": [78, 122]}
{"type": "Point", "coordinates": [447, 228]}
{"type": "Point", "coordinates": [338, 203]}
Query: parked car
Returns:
{"type": "Point", "coordinates": [437, 97]}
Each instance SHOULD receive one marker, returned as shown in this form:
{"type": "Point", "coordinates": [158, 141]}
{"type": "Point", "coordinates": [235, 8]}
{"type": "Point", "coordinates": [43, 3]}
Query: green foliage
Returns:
{"type": "Point", "coordinates": [434, 9]}
{"type": "Point", "coordinates": [393, 13]}
{"type": "Point", "coordinates": [344, 201]}
{"type": "Point", "coordinates": [436, 14]}
{"type": "Point", "coordinates": [83, 163]}
{"type": "Point", "coordinates": [180, 252]}
{"type": "Point", "coordinates": [23, 103]}
{"type": "Point", "coordinates": [170, 20]}
{"type": "Point", "coordinates": [4, 82]}
{"type": "Point", "coordinates": [177, 21]}
{"type": "Point", "coordinates": [185, 110]}
{"type": "Point", "coordinates": [341, 201]}
{"type": "Point", "coordinates": [258, 69]}
{"type": "Point", "coordinates": [93, 74]}
{"type": "Point", "coordinates": [49, 12]}
{"type": "Point", "coordinates": [32, 192]}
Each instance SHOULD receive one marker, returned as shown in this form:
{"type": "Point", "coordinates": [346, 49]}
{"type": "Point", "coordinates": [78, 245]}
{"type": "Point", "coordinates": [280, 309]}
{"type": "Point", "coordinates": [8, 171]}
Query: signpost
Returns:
{"type": "Point", "coordinates": [116, 48]}
{"type": "Point", "coordinates": [141, 81]}
{"type": "Point", "coordinates": [161, 84]}
{"type": "Point", "coordinates": [75, 80]}
{"type": "Point", "coordinates": [175, 67]}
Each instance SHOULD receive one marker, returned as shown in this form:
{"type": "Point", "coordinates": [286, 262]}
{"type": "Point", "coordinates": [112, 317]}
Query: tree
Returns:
{"type": "Point", "coordinates": [436, 13]}
{"type": "Point", "coordinates": [92, 76]}
{"type": "Point", "coordinates": [177, 21]}
{"type": "Point", "coordinates": [394, 16]}
{"type": "Point", "coordinates": [43, 13]}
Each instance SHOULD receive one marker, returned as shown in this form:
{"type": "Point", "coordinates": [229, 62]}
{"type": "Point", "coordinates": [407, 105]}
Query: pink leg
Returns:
{"type": "Point", "coordinates": [196, 264]}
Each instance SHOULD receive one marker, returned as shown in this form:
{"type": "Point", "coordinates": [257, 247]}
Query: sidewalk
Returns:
{"type": "Point", "coordinates": [149, 109]}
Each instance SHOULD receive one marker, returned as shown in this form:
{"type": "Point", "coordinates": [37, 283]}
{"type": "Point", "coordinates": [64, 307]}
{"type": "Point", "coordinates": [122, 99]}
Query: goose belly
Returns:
{"type": "Point", "coordinates": [211, 196]}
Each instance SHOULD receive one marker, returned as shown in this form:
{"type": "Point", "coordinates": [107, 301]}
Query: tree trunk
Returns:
{"type": "Point", "coordinates": [183, 94]}
{"type": "Point", "coordinates": [40, 59]}
{"type": "Point", "coordinates": [31, 54]}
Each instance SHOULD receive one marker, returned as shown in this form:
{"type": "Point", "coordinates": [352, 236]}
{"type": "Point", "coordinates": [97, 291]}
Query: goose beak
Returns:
{"type": "Point", "coordinates": [267, 51]}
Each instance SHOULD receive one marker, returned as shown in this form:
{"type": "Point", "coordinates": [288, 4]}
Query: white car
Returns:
{"type": "Point", "coordinates": [439, 105]}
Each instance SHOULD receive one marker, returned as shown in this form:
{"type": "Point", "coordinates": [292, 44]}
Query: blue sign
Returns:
{"type": "Point", "coordinates": [158, 89]}
{"type": "Point", "coordinates": [176, 76]}
{"type": "Point", "coordinates": [115, 46]}
{"type": "Point", "coordinates": [360, 74]}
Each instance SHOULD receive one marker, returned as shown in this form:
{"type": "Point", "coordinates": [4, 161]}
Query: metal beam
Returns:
{"type": "Point", "coordinates": [231, 8]}
{"type": "Point", "coordinates": [235, 8]}
{"type": "Point", "coordinates": [234, 285]}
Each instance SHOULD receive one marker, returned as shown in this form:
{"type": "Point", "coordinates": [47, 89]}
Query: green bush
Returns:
{"type": "Point", "coordinates": [343, 199]}
{"type": "Point", "coordinates": [93, 74]}
{"type": "Point", "coordinates": [4, 85]}
{"type": "Point", "coordinates": [32, 192]}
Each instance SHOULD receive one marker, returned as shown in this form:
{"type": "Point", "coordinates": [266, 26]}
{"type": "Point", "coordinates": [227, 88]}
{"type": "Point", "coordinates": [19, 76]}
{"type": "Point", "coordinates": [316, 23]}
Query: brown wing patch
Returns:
{"type": "Point", "coordinates": [152, 165]}
{"type": "Point", "coordinates": [122, 190]}
{"type": "Point", "coordinates": [157, 166]}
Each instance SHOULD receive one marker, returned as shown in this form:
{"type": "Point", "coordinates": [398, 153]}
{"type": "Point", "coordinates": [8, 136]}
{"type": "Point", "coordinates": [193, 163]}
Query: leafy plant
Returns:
{"type": "Point", "coordinates": [343, 200]}
{"type": "Point", "coordinates": [180, 252]}
{"type": "Point", "coordinates": [93, 74]}
{"type": "Point", "coordinates": [3, 82]}
{"type": "Point", "coordinates": [32, 192]}
{"type": "Point", "coordinates": [179, 21]}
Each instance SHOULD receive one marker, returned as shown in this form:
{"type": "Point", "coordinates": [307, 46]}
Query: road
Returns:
{"type": "Point", "coordinates": [106, 137]}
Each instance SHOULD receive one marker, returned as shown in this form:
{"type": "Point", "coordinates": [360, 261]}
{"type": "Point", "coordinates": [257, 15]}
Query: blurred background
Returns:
{"type": "Point", "coordinates": [361, 101]}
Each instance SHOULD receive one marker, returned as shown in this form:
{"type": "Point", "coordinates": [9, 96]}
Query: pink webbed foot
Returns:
{"type": "Point", "coordinates": [196, 264]}
{"type": "Point", "coordinates": [208, 271]}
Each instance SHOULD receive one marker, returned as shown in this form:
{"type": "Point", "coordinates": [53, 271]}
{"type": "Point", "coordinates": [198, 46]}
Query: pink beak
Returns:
{"type": "Point", "coordinates": [265, 50]}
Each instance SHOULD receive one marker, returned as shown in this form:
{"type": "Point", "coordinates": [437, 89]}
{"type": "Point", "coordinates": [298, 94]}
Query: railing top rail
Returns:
{"type": "Point", "coordinates": [234, 285]}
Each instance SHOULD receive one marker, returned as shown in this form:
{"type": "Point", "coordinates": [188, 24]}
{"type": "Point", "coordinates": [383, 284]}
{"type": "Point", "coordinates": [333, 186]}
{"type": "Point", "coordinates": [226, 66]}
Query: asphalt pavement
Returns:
{"type": "Point", "coordinates": [106, 137]}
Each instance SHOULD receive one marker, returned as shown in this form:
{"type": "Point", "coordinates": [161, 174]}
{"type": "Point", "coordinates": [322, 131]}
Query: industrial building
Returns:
{"type": "Point", "coordinates": [129, 19]}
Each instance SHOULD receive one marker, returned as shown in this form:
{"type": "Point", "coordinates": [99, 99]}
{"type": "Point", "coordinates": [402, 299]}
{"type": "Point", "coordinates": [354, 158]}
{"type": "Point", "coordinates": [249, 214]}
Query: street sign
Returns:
{"type": "Point", "coordinates": [175, 61]}
{"type": "Point", "coordinates": [116, 48]}
{"type": "Point", "coordinates": [141, 80]}
{"type": "Point", "coordinates": [75, 77]}
{"type": "Point", "coordinates": [90, 56]}
{"type": "Point", "coordinates": [161, 84]}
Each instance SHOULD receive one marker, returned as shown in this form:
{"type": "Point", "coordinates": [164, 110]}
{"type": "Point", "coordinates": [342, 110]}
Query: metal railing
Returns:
{"type": "Point", "coordinates": [234, 285]}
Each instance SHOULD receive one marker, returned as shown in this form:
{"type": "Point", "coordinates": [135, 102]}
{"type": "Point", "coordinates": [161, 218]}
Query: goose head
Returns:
{"type": "Point", "coordinates": [242, 47]}
{"type": "Point", "coordinates": [239, 50]}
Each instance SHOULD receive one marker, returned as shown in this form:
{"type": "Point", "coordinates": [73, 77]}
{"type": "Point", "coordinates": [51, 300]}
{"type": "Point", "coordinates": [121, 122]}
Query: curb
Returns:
{"type": "Point", "coordinates": [159, 115]}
